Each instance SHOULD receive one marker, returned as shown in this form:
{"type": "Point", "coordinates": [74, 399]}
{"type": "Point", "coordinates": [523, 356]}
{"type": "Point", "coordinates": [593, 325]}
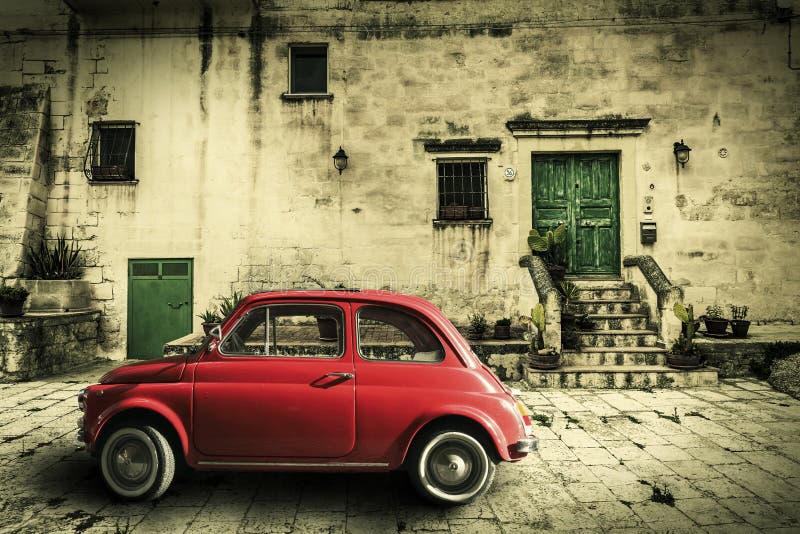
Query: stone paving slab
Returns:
{"type": "Point", "coordinates": [722, 459]}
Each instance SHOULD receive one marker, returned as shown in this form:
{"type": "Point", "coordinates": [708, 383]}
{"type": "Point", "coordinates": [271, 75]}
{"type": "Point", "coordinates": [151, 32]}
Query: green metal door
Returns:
{"type": "Point", "coordinates": [581, 190]}
{"type": "Point", "coordinates": [159, 305]}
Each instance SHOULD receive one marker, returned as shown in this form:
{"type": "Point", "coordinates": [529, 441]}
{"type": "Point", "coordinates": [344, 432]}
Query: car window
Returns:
{"type": "Point", "coordinates": [288, 330]}
{"type": "Point", "coordinates": [390, 334]}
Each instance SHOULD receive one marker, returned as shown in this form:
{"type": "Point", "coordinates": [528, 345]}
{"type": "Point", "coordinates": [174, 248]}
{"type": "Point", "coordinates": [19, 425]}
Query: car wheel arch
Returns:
{"type": "Point", "coordinates": [470, 424]}
{"type": "Point", "coordinates": [165, 421]}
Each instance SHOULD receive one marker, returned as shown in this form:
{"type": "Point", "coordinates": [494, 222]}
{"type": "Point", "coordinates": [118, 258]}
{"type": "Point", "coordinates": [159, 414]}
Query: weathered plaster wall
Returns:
{"type": "Point", "coordinates": [24, 153]}
{"type": "Point", "coordinates": [242, 181]}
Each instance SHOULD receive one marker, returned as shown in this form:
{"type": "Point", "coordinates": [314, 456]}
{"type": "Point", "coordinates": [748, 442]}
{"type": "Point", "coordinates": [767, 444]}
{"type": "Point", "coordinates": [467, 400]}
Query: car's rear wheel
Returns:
{"type": "Point", "coordinates": [450, 466]}
{"type": "Point", "coordinates": [137, 463]}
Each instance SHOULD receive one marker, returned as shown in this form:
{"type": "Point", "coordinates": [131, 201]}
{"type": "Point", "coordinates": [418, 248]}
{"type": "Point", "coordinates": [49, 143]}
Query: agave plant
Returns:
{"type": "Point", "coordinates": [548, 245]}
{"type": "Point", "coordinates": [62, 262]}
{"type": "Point", "coordinates": [228, 304]}
{"type": "Point", "coordinates": [537, 321]}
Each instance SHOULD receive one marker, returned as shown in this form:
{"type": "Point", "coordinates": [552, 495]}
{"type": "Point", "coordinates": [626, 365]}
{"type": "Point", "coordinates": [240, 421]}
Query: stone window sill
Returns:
{"type": "Point", "coordinates": [113, 182]}
{"type": "Point", "coordinates": [443, 223]}
{"type": "Point", "coordinates": [293, 97]}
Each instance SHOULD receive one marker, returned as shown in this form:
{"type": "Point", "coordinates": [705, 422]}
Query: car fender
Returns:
{"type": "Point", "coordinates": [148, 404]}
{"type": "Point", "coordinates": [468, 412]}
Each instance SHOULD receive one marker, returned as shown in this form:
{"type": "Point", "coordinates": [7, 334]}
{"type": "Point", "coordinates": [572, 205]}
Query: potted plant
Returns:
{"type": "Point", "coordinates": [210, 319]}
{"type": "Point", "coordinates": [477, 326]}
{"type": "Point", "coordinates": [549, 247]}
{"type": "Point", "coordinates": [12, 300]}
{"type": "Point", "coordinates": [683, 354]}
{"type": "Point", "coordinates": [502, 328]}
{"type": "Point", "coordinates": [716, 324]}
{"type": "Point", "coordinates": [739, 325]}
{"type": "Point", "coordinates": [540, 357]}
{"type": "Point", "coordinates": [53, 277]}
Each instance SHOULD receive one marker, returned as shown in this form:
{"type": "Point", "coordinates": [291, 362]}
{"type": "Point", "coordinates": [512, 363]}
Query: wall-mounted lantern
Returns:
{"type": "Point", "coordinates": [681, 152]}
{"type": "Point", "coordinates": [340, 160]}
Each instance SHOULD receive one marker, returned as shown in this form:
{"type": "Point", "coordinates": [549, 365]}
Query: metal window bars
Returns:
{"type": "Point", "coordinates": [111, 151]}
{"type": "Point", "coordinates": [462, 189]}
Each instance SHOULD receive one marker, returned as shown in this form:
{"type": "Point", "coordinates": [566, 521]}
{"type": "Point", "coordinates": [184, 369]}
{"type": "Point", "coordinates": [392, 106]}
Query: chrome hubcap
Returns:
{"type": "Point", "coordinates": [451, 465]}
{"type": "Point", "coordinates": [131, 461]}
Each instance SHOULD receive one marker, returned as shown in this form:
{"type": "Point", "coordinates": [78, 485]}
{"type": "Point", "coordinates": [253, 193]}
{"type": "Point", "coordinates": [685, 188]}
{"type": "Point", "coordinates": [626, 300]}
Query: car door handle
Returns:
{"type": "Point", "coordinates": [343, 376]}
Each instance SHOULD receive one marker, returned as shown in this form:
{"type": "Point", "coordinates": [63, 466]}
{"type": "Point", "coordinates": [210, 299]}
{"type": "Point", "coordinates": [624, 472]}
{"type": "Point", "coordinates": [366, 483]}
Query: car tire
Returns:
{"type": "Point", "coordinates": [137, 463]}
{"type": "Point", "coordinates": [450, 467]}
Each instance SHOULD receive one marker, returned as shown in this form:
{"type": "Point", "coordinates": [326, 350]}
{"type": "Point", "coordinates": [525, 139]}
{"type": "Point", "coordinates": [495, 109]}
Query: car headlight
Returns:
{"type": "Point", "coordinates": [81, 397]}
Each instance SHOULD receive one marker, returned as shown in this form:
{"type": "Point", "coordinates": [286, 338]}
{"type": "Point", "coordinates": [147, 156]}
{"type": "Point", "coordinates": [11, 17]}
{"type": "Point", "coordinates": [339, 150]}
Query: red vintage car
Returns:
{"type": "Point", "coordinates": [328, 380]}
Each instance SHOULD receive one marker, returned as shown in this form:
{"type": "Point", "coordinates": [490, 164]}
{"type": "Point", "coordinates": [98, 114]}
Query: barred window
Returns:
{"type": "Point", "coordinates": [111, 153]}
{"type": "Point", "coordinates": [308, 69]}
{"type": "Point", "coordinates": [462, 189]}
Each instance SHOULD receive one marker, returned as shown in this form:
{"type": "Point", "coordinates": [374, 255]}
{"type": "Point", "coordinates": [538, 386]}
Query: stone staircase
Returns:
{"type": "Point", "coordinates": [621, 351]}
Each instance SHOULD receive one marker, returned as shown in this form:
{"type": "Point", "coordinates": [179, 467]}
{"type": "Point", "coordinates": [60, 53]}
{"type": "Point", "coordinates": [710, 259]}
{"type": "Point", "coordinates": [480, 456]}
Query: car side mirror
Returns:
{"type": "Point", "coordinates": [216, 333]}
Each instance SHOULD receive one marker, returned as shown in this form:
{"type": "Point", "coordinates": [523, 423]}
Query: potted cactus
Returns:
{"type": "Point", "coordinates": [540, 357]}
{"type": "Point", "coordinates": [739, 325]}
{"type": "Point", "coordinates": [502, 328]}
{"type": "Point", "coordinates": [716, 324]}
{"type": "Point", "coordinates": [12, 300]}
{"type": "Point", "coordinates": [683, 354]}
{"type": "Point", "coordinates": [548, 245]}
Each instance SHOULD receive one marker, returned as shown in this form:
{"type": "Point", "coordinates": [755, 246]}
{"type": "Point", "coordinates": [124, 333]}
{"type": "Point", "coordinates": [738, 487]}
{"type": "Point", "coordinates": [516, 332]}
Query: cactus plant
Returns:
{"type": "Point", "coordinates": [549, 245]}
{"type": "Point", "coordinates": [682, 355]}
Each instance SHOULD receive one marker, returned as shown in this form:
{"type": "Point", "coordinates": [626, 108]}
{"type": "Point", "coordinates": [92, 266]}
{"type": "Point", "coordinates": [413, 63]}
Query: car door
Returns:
{"type": "Point", "coordinates": [275, 386]}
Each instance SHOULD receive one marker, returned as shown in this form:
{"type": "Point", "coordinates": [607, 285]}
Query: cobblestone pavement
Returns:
{"type": "Point", "coordinates": [729, 456]}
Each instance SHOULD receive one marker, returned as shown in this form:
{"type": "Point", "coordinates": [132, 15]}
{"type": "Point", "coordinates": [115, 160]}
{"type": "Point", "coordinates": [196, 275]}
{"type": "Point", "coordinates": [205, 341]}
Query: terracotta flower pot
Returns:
{"type": "Point", "coordinates": [207, 327]}
{"type": "Point", "coordinates": [11, 308]}
{"type": "Point", "coordinates": [684, 361]}
{"type": "Point", "coordinates": [502, 331]}
{"type": "Point", "coordinates": [716, 327]}
{"type": "Point", "coordinates": [740, 328]}
{"type": "Point", "coordinates": [545, 360]}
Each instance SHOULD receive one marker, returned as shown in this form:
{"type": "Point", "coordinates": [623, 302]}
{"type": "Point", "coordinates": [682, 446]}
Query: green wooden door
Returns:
{"type": "Point", "coordinates": [159, 305]}
{"type": "Point", "coordinates": [581, 190]}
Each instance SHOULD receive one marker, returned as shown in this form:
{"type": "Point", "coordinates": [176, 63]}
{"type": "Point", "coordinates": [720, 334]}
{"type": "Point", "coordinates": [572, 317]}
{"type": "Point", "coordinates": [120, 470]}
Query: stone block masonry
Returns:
{"type": "Point", "coordinates": [40, 344]}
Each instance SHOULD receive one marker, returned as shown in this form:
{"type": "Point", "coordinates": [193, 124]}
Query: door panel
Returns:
{"type": "Point", "coordinates": [582, 191]}
{"type": "Point", "coordinates": [159, 305]}
{"type": "Point", "coordinates": [273, 406]}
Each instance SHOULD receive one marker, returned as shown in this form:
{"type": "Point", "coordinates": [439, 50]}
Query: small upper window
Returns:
{"type": "Point", "coordinates": [111, 153]}
{"type": "Point", "coordinates": [308, 70]}
{"type": "Point", "coordinates": [388, 334]}
{"type": "Point", "coordinates": [462, 189]}
{"type": "Point", "coordinates": [288, 330]}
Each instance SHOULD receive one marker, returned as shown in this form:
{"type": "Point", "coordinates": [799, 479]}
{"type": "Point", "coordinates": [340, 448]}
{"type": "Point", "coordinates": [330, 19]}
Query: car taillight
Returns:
{"type": "Point", "coordinates": [525, 413]}
{"type": "Point", "coordinates": [81, 397]}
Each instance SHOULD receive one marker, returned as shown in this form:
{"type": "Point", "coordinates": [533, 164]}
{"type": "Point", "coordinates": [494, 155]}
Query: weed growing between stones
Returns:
{"type": "Point", "coordinates": [632, 419]}
{"type": "Point", "coordinates": [542, 419]}
{"type": "Point", "coordinates": [696, 414]}
{"type": "Point", "coordinates": [675, 418]}
{"type": "Point", "coordinates": [662, 496]}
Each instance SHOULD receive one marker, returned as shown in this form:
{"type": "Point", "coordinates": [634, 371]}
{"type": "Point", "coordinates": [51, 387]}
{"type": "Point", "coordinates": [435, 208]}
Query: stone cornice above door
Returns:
{"type": "Point", "coordinates": [577, 127]}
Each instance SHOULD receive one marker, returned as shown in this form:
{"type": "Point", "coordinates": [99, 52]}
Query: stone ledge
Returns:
{"type": "Point", "coordinates": [530, 127]}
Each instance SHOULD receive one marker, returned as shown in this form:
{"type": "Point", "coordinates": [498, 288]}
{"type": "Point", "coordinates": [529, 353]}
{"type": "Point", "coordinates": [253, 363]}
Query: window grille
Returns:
{"type": "Point", "coordinates": [308, 69]}
{"type": "Point", "coordinates": [111, 152]}
{"type": "Point", "coordinates": [462, 189]}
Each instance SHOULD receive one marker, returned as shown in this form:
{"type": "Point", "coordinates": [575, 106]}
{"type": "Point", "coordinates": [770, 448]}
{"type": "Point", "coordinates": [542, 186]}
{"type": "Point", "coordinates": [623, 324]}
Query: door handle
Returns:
{"type": "Point", "coordinates": [176, 306]}
{"type": "Point", "coordinates": [344, 376]}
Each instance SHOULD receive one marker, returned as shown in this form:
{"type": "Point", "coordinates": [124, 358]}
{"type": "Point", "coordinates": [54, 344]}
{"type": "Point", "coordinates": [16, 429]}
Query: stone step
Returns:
{"type": "Point", "coordinates": [609, 306]}
{"type": "Point", "coordinates": [621, 377]}
{"type": "Point", "coordinates": [600, 356]}
{"type": "Point", "coordinates": [595, 283]}
{"type": "Point", "coordinates": [619, 321]}
{"type": "Point", "coordinates": [618, 338]}
{"type": "Point", "coordinates": [607, 293]}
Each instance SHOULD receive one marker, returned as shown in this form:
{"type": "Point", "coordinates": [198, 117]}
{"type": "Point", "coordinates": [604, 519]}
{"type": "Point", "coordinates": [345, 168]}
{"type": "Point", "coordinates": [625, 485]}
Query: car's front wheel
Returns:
{"type": "Point", "coordinates": [450, 466]}
{"type": "Point", "coordinates": [137, 463]}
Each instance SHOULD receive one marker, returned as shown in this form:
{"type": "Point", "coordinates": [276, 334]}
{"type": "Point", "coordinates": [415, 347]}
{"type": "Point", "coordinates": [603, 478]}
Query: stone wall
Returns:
{"type": "Point", "coordinates": [240, 179]}
{"type": "Point", "coordinates": [42, 344]}
{"type": "Point", "coordinates": [24, 153]}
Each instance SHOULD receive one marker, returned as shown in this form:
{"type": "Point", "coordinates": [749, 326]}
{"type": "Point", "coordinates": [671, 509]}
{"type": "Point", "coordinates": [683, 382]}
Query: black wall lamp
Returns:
{"type": "Point", "coordinates": [340, 160]}
{"type": "Point", "coordinates": [681, 152]}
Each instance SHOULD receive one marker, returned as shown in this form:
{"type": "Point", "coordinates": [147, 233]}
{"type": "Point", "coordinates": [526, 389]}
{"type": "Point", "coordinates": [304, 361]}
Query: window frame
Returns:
{"type": "Point", "coordinates": [296, 46]}
{"type": "Point", "coordinates": [483, 193]}
{"type": "Point", "coordinates": [94, 152]}
{"type": "Point", "coordinates": [433, 331]}
{"type": "Point", "coordinates": [343, 334]}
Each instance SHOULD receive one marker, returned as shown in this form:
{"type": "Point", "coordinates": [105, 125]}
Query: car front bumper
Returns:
{"type": "Point", "coordinates": [528, 444]}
